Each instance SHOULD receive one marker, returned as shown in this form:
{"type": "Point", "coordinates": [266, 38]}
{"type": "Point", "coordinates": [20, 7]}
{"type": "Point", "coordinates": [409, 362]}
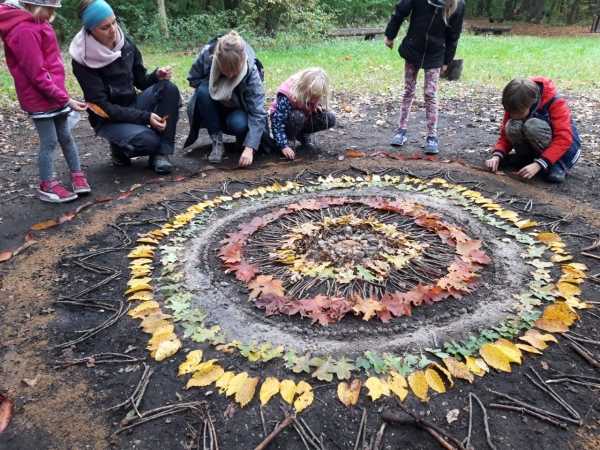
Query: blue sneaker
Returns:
{"type": "Point", "coordinates": [431, 146]}
{"type": "Point", "coordinates": [399, 139]}
{"type": "Point", "coordinates": [556, 174]}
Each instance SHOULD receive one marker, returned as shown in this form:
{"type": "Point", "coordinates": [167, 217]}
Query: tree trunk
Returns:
{"type": "Point", "coordinates": [162, 18]}
{"type": "Point", "coordinates": [573, 13]}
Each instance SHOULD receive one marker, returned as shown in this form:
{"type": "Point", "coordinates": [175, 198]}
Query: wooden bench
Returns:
{"type": "Point", "coordinates": [368, 33]}
{"type": "Point", "coordinates": [497, 31]}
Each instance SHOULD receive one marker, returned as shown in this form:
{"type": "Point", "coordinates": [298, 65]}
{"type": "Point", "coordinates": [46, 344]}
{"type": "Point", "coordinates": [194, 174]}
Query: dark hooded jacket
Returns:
{"type": "Point", "coordinates": [429, 43]}
{"type": "Point", "coordinates": [250, 91]}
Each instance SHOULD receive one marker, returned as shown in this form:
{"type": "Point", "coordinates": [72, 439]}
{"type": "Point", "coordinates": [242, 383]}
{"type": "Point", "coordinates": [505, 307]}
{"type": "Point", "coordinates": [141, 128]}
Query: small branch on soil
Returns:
{"type": "Point", "coordinates": [362, 427]}
{"type": "Point", "coordinates": [529, 407]}
{"type": "Point", "coordinates": [594, 246]}
{"type": "Point", "coordinates": [579, 377]}
{"type": "Point", "coordinates": [440, 435]}
{"type": "Point", "coordinates": [584, 353]}
{"type": "Point", "coordinates": [262, 421]}
{"type": "Point", "coordinates": [135, 399]}
{"type": "Point", "coordinates": [379, 437]}
{"type": "Point", "coordinates": [580, 338]}
{"type": "Point", "coordinates": [529, 412]}
{"type": "Point", "coordinates": [467, 441]}
{"type": "Point", "coordinates": [540, 384]}
{"type": "Point", "coordinates": [570, 380]}
{"type": "Point", "coordinates": [318, 443]}
{"type": "Point", "coordinates": [590, 255]}
{"type": "Point", "coordinates": [287, 421]}
{"type": "Point", "coordinates": [164, 411]}
{"type": "Point", "coordinates": [98, 358]}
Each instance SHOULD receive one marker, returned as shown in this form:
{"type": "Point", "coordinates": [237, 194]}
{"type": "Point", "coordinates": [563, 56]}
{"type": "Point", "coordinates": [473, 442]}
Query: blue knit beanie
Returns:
{"type": "Point", "coordinates": [95, 13]}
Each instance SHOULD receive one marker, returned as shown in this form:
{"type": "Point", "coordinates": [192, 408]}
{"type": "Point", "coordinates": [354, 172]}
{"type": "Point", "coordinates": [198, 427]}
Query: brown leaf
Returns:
{"type": "Point", "coordinates": [5, 256]}
{"type": "Point", "coordinates": [353, 153]}
{"type": "Point", "coordinates": [265, 284]}
{"type": "Point", "coordinates": [245, 272]}
{"type": "Point", "coordinates": [97, 110]}
{"type": "Point", "coordinates": [44, 225]}
{"type": "Point", "coordinates": [6, 412]}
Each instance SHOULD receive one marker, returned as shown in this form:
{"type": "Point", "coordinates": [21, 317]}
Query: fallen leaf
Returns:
{"type": "Point", "coordinates": [205, 378]}
{"type": "Point", "coordinates": [353, 153]}
{"type": "Point", "coordinates": [452, 416]}
{"type": "Point", "coordinates": [265, 284]}
{"type": "Point", "coordinates": [142, 296]}
{"type": "Point", "coordinates": [191, 363]}
{"type": "Point", "coordinates": [477, 366]}
{"type": "Point", "coordinates": [223, 382]}
{"type": "Point", "coordinates": [548, 238]}
{"type": "Point", "coordinates": [6, 412]}
{"type": "Point", "coordinates": [5, 256]}
{"type": "Point", "coordinates": [287, 389]}
{"type": "Point", "coordinates": [511, 351]}
{"type": "Point", "coordinates": [528, 348]}
{"type": "Point", "coordinates": [30, 382]}
{"type": "Point", "coordinates": [44, 225]}
{"type": "Point", "coordinates": [458, 369]}
{"type": "Point", "coordinates": [568, 290]}
{"type": "Point", "coordinates": [167, 349]}
{"type": "Point", "coordinates": [269, 388]}
{"type": "Point", "coordinates": [557, 318]}
{"type": "Point", "coordinates": [494, 357]}
{"type": "Point", "coordinates": [377, 388]}
{"type": "Point", "coordinates": [398, 385]}
{"type": "Point", "coordinates": [349, 394]}
{"type": "Point", "coordinates": [245, 393]}
{"type": "Point", "coordinates": [236, 384]}
{"type": "Point", "coordinates": [537, 339]}
{"type": "Point", "coordinates": [144, 309]}
{"type": "Point", "coordinates": [141, 251]}
{"type": "Point", "coordinates": [434, 381]}
{"type": "Point", "coordinates": [418, 384]}
{"type": "Point", "coordinates": [306, 398]}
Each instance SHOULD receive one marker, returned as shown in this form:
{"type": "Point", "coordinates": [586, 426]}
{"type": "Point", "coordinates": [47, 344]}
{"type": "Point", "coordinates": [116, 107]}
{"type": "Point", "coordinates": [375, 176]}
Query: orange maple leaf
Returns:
{"type": "Point", "coordinates": [265, 285]}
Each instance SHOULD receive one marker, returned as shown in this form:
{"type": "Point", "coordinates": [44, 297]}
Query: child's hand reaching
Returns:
{"type": "Point", "coordinates": [288, 153]}
{"type": "Point", "coordinates": [164, 73]}
{"type": "Point", "coordinates": [493, 163]}
{"type": "Point", "coordinates": [388, 42]}
{"type": "Point", "coordinates": [530, 170]}
{"type": "Point", "coordinates": [77, 105]}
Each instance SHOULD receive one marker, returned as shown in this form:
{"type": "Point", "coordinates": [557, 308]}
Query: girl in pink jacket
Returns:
{"type": "Point", "coordinates": [35, 62]}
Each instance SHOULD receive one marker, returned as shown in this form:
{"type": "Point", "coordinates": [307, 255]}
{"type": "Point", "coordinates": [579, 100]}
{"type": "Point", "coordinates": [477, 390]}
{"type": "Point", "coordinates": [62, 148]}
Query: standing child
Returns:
{"type": "Point", "coordinates": [300, 109]}
{"type": "Point", "coordinates": [34, 60]}
{"type": "Point", "coordinates": [430, 44]}
{"type": "Point", "coordinates": [538, 125]}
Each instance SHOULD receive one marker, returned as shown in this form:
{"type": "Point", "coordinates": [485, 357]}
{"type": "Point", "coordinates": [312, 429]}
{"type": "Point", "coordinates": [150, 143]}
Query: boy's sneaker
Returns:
{"type": "Point", "coordinates": [80, 183]}
{"type": "Point", "coordinates": [54, 192]}
{"type": "Point", "coordinates": [399, 139]}
{"type": "Point", "coordinates": [431, 146]}
{"type": "Point", "coordinates": [556, 174]}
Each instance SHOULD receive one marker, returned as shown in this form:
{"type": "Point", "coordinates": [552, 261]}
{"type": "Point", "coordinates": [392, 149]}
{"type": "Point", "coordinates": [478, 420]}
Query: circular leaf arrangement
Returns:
{"type": "Point", "coordinates": [324, 258]}
{"type": "Point", "coordinates": [343, 250]}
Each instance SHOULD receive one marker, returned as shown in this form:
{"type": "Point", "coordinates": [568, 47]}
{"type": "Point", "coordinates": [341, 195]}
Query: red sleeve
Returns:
{"type": "Point", "coordinates": [31, 61]}
{"type": "Point", "coordinates": [503, 146]}
{"type": "Point", "coordinates": [562, 131]}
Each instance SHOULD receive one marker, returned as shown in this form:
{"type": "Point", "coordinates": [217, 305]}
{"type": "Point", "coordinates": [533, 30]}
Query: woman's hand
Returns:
{"type": "Point", "coordinates": [157, 122]}
{"type": "Point", "coordinates": [164, 73]}
{"type": "Point", "coordinates": [530, 170]}
{"type": "Point", "coordinates": [493, 163]}
{"type": "Point", "coordinates": [288, 153]}
{"type": "Point", "coordinates": [389, 43]}
{"type": "Point", "coordinates": [247, 157]}
{"type": "Point", "coordinates": [77, 105]}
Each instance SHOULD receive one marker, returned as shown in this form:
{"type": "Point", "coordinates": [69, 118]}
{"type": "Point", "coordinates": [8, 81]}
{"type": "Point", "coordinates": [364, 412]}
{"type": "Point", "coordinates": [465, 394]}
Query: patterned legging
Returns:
{"type": "Point", "coordinates": [432, 77]}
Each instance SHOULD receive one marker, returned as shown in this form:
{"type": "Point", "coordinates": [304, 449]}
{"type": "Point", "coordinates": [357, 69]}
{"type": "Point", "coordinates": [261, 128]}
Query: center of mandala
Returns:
{"type": "Point", "coordinates": [345, 249]}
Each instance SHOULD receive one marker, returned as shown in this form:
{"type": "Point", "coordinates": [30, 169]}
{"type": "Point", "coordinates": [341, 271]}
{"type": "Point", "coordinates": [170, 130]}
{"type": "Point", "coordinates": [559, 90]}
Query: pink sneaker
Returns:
{"type": "Point", "coordinates": [79, 183]}
{"type": "Point", "coordinates": [54, 192]}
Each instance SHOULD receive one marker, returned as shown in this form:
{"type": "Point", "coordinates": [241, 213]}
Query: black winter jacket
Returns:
{"type": "Point", "coordinates": [429, 42]}
{"type": "Point", "coordinates": [113, 87]}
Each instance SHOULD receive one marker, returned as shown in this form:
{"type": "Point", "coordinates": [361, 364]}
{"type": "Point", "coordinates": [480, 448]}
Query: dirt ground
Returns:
{"type": "Point", "coordinates": [67, 408]}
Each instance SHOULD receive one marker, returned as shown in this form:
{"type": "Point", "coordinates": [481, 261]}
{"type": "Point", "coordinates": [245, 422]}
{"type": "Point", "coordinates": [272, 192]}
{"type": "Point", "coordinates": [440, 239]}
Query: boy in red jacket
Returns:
{"type": "Point", "coordinates": [537, 124]}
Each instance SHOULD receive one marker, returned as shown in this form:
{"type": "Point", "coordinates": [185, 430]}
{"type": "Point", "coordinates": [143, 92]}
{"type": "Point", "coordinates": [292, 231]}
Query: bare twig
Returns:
{"type": "Point", "coordinates": [486, 422]}
{"type": "Point", "coordinates": [584, 353]}
{"type": "Point", "coordinates": [525, 405]}
{"type": "Point", "coordinates": [379, 437]}
{"type": "Point", "coordinates": [98, 358]}
{"type": "Point", "coordinates": [163, 411]}
{"type": "Point", "coordinates": [548, 390]}
{"type": "Point", "coordinates": [287, 421]}
{"type": "Point", "coordinates": [529, 412]}
{"type": "Point", "coordinates": [361, 429]}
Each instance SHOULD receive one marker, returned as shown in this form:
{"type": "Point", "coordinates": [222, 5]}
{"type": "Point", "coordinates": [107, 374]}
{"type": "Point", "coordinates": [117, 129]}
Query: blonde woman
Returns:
{"type": "Point", "coordinates": [229, 97]}
{"type": "Point", "coordinates": [430, 44]}
{"type": "Point", "coordinates": [300, 109]}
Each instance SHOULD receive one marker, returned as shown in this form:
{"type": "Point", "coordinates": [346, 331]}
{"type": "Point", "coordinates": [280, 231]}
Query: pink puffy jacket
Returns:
{"type": "Point", "coordinates": [34, 60]}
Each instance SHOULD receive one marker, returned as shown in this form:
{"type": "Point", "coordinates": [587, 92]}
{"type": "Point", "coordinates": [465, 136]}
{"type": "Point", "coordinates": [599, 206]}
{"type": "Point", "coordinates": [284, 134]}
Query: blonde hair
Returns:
{"type": "Point", "coordinates": [309, 84]}
{"type": "Point", "coordinates": [449, 9]}
{"type": "Point", "coordinates": [230, 51]}
{"type": "Point", "coordinates": [37, 10]}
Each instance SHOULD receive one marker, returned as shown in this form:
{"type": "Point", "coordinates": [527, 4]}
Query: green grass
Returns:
{"type": "Point", "coordinates": [368, 66]}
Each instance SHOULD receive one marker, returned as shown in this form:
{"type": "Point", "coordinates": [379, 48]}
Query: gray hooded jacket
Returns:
{"type": "Point", "coordinates": [250, 91]}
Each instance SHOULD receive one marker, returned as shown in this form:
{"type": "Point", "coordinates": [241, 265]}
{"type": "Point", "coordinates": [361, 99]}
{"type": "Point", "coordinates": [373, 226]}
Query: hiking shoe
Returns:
{"type": "Point", "coordinates": [431, 146]}
{"type": "Point", "coordinates": [217, 152]}
{"type": "Point", "coordinates": [79, 183]}
{"type": "Point", "coordinates": [119, 158]}
{"type": "Point", "coordinates": [308, 143]}
{"type": "Point", "coordinates": [161, 164]}
{"type": "Point", "coordinates": [54, 192]}
{"type": "Point", "coordinates": [399, 139]}
{"type": "Point", "coordinates": [556, 174]}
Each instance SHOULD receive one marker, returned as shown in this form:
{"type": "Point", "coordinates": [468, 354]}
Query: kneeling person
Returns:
{"type": "Point", "coordinates": [300, 110]}
{"type": "Point", "coordinates": [538, 125]}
